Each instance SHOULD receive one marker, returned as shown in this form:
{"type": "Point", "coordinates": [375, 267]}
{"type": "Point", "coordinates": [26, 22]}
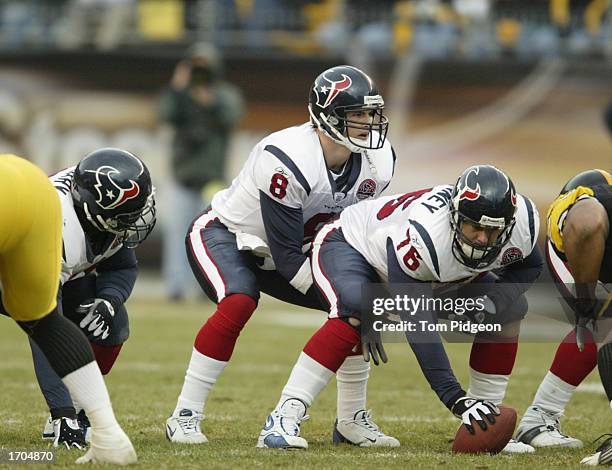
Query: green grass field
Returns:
{"type": "Point", "coordinates": [147, 377]}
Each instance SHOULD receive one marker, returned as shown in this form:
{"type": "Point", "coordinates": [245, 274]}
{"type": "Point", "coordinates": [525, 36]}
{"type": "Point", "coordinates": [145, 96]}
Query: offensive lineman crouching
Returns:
{"type": "Point", "coordinates": [434, 236]}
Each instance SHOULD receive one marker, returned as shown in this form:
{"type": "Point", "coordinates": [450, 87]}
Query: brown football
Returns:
{"type": "Point", "coordinates": [491, 441]}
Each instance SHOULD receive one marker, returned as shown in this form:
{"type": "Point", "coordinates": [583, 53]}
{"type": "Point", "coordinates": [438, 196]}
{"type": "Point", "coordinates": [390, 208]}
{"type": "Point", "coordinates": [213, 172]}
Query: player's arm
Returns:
{"type": "Point", "coordinates": [114, 283]}
{"type": "Point", "coordinates": [283, 190]}
{"type": "Point", "coordinates": [426, 345]}
{"type": "Point", "coordinates": [584, 237]}
{"type": "Point", "coordinates": [117, 276]}
{"type": "Point", "coordinates": [515, 279]}
{"type": "Point", "coordinates": [432, 358]}
{"type": "Point", "coordinates": [285, 231]}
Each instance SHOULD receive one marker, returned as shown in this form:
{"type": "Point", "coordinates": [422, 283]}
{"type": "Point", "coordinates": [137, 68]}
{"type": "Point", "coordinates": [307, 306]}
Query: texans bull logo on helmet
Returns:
{"type": "Point", "coordinates": [467, 192]}
{"type": "Point", "coordinates": [110, 194]}
{"type": "Point", "coordinates": [472, 193]}
{"type": "Point", "coordinates": [336, 86]}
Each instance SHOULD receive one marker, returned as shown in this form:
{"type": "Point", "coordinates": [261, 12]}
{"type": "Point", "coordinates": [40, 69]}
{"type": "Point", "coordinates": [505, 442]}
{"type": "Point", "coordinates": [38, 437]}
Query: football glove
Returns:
{"type": "Point", "coordinates": [372, 345]}
{"type": "Point", "coordinates": [98, 318]}
{"type": "Point", "coordinates": [586, 311]}
{"type": "Point", "coordinates": [468, 409]}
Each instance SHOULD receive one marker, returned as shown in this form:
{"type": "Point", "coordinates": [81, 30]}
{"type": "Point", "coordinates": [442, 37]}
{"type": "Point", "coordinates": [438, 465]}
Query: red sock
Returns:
{"type": "Point", "coordinates": [493, 357]}
{"type": "Point", "coordinates": [332, 343]}
{"type": "Point", "coordinates": [571, 365]}
{"type": "Point", "coordinates": [217, 338]}
{"type": "Point", "coordinates": [106, 356]}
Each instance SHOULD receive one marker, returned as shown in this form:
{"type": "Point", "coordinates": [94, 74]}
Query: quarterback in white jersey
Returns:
{"type": "Point", "coordinates": [288, 168]}
{"type": "Point", "coordinates": [256, 235]}
{"type": "Point", "coordinates": [448, 234]}
{"type": "Point", "coordinates": [108, 208]}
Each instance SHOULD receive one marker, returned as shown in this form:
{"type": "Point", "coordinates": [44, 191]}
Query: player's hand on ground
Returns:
{"type": "Point", "coordinates": [372, 345]}
{"type": "Point", "coordinates": [481, 411]}
{"type": "Point", "coordinates": [587, 310]}
{"type": "Point", "coordinates": [98, 318]}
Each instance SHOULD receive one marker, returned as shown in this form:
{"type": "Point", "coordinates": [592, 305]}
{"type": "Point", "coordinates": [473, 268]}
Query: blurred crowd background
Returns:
{"type": "Point", "coordinates": [519, 84]}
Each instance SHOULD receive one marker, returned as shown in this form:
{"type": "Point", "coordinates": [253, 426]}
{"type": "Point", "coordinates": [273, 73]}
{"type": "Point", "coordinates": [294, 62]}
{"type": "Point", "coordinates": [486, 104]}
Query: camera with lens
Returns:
{"type": "Point", "coordinates": [201, 75]}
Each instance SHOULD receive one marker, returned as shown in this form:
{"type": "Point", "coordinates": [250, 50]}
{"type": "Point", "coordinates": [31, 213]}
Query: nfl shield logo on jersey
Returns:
{"type": "Point", "coordinates": [366, 189]}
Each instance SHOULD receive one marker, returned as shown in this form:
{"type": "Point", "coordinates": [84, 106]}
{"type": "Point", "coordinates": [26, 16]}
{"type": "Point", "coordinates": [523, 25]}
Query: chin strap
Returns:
{"type": "Point", "coordinates": [335, 135]}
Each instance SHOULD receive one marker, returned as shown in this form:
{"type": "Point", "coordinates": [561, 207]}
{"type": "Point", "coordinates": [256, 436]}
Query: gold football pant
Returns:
{"type": "Point", "coordinates": [30, 239]}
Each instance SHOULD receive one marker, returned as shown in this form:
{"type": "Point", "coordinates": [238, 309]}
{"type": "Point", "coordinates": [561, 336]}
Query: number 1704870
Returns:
{"type": "Point", "coordinates": [8, 456]}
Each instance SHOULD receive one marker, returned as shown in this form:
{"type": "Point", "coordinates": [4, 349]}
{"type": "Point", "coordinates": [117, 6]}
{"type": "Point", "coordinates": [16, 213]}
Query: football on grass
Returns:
{"type": "Point", "coordinates": [491, 441]}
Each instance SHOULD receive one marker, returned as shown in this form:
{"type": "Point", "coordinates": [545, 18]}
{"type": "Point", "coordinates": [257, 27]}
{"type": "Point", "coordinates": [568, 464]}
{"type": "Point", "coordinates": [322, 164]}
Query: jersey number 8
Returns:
{"type": "Point", "coordinates": [278, 185]}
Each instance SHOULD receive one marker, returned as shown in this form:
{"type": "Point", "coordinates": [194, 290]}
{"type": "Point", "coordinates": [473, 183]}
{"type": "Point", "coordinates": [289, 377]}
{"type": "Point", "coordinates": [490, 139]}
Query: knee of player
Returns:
{"type": "Point", "coordinates": [30, 326]}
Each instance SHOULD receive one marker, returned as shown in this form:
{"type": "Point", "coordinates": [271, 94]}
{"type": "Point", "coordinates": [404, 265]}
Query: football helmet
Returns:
{"type": "Point", "coordinates": [588, 179]}
{"type": "Point", "coordinates": [485, 197]}
{"type": "Point", "coordinates": [112, 189]}
{"type": "Point", "coordinates": [342, 89]}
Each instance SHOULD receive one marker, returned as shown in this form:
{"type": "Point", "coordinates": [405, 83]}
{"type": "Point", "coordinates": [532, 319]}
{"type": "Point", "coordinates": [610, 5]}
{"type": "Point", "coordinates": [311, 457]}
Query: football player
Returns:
{"type": "Point", "coordinates": [254, 237]}
{"type": "Point", "coordinates": [448, 234]}
{"type": "Point", "coordinates": [108, 208]}
{"type": "Point", "coordinates": [30, 265]}
{"type": "Point", "coordinates": [578, 254]}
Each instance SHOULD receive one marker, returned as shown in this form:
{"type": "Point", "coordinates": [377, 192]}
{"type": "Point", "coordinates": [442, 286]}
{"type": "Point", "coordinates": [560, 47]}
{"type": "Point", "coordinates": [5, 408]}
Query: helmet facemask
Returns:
{"type": "Point", "coordinates": [336, 125]}
{"type": "Point", "coordinates": [474, 255]}
{"type": "Point", "coordinates": [131, 228]}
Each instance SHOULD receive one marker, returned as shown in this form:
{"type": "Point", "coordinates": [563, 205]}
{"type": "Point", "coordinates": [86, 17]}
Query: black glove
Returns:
{"type": "Point", "coordinates": [467, 409]}
{"type": "Point", "coordinates": [98, 318]}
{"type": "Point", "coordinates": [371, 344]}
{"type": "Point", "coordinates": [586, 313]}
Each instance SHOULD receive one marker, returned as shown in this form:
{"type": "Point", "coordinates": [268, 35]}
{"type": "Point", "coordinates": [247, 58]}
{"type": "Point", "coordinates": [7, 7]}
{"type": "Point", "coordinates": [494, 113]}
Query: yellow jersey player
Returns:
{"type": "Point", "coordinates": [30, 262]}
{"type": "Point", "coordinates": [579, 256]}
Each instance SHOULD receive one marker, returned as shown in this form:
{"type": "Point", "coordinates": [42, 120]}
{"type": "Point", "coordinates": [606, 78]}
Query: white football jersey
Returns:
{"type": "Point", "coordinates": [76, 259]}
{"type": "Point", "coordinates": [289, 167]}
{"type": "Point", "coordinates": [418, 225]}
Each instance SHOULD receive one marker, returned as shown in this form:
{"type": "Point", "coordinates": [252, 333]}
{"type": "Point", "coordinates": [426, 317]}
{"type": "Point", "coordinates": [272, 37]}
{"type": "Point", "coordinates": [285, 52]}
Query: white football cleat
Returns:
{"type": "Point", "coordinates": [361, 431]}
{"type": "Point", "coordinates": [282, 428]}
{"type": "Point", "coordinates": [603, 454]}
{"type": "Point", "coordinates": [109, 446]}
{"type": "Point", "coordinates": [184, 427]}
{"type": "Point", "coordinates": [541, 428]}
{"type": "Point", "coordinates": [516, 447]}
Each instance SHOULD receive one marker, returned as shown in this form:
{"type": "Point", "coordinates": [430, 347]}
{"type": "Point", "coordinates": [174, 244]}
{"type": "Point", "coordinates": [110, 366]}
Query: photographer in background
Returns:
{"type": "Point", "coordinates": [202, 109]}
